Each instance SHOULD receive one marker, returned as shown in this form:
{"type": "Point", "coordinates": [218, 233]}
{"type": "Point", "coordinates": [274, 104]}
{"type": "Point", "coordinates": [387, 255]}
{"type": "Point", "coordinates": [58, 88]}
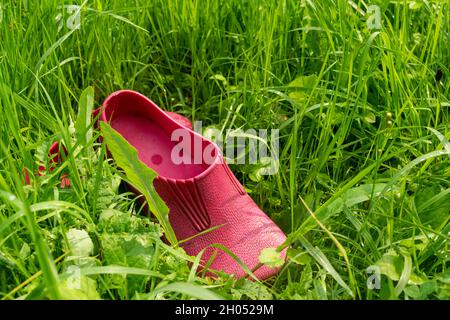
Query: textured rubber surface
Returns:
{"type": "Point", "coordinates": [200, 194]}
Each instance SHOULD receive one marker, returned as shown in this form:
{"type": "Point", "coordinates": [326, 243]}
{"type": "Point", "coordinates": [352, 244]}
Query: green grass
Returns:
{"type": "Point", "coordinates": [364, 121]}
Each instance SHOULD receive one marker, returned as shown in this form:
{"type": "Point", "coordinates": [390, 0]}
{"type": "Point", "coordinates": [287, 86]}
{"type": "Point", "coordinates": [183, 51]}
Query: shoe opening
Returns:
{"type": "Point", "coordinates": [162, 143]}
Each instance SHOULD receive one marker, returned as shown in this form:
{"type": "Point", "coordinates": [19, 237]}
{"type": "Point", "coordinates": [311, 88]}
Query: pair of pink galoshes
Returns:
{"type": "Point", "coordinates": [196, 184]}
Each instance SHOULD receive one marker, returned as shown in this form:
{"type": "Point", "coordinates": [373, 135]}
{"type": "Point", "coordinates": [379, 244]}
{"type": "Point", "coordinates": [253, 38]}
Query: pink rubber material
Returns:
{"type": "Point", "coordinates": [201, 195]}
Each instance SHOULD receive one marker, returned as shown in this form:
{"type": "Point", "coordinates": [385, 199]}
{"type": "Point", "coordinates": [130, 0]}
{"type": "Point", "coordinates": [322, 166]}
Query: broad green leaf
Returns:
{"type": "Point", "coordinates": [303, 85]}
{"type": "Point", "coordinates": [128, 240]}
{"type": "Point", "coordinates": [132, 250]}
{"type": "Point", "coordinates": [298, 256]}
{"type": "Point", "coordinates": [80, 244]}
{"type": "Point", "coordinates": [82, 124]}
{"type": "Point", "coordinates": [427, 288]}
{"type": "Point", "coordinates": [370, 117]}
{"type": "Point", "coordinates": [78, 287]}
{"type": "Point", "coordinates": [392, 265]}
{"type": "Point", "coordinates": [271, 257]}
{"type": "Point", "coordinates": [413, 292]}
{"type": "Point", "coordinates": [307, 82]}
{"type": "Point", "coordinates": [139, 174]}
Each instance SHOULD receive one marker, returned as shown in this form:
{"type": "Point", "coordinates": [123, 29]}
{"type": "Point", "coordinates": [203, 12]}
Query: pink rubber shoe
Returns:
{"type": "Point", "coordinates": [200, 190]}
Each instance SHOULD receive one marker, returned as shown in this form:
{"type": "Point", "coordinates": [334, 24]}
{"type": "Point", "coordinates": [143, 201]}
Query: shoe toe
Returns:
{"type": "Point", "coordinates": [245, 234]}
